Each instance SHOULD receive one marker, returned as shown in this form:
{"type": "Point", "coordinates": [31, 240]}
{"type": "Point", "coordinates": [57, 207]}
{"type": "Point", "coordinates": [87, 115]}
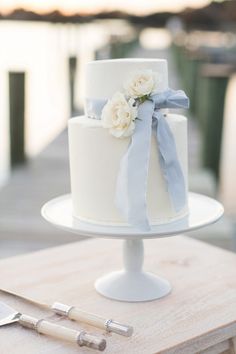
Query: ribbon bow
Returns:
{"type": "Point", "coordinates": [132, 180]}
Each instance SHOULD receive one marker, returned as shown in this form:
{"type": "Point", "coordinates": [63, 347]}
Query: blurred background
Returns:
{"type": "Point", "coordinates": [44, 48]}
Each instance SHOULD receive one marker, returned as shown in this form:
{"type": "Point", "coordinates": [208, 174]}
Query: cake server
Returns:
{"type": "Point", "coordinates": [76, 314]}
{"type": "Point", "coordinates": [9, 315]}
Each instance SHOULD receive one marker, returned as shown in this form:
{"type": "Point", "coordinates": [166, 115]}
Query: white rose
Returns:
{"type": "Point", "coordinates": [118, 115]}
{"type": "Point", "coordinates": [141, 83]}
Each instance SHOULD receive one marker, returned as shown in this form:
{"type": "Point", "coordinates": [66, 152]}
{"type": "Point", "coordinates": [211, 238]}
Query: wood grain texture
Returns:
{"type": "Point", "coordinates": [198, 314]}
{"type": "Point", "coordinates": [217, 348]}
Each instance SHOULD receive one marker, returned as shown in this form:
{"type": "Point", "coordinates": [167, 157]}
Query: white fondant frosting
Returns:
{"type": "Point", "coordinates": [95, 154]}
{"type": "Point", "coordinates": [105, 77]}
{"type": "Point", "coordinates": [94, 161]}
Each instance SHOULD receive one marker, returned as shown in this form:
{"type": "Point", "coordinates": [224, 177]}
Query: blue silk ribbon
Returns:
{"type": "Point", "coordinates": [132, 180]}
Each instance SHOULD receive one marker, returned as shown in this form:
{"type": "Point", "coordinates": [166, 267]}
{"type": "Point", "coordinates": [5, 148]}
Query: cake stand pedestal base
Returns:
{"type": "Point", "coordinates": [132, 287]}
{"type": "Point", "coordinates": [132, 283]}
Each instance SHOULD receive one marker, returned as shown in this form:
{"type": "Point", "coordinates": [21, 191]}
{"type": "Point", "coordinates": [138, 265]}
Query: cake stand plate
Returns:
{"type": "Point", "coordinates": [132, 283]}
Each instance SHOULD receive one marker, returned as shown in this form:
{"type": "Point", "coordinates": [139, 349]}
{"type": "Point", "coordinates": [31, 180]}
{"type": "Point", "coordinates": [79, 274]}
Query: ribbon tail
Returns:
{"type": "Point", "coordinates": [133, 173]}
{"type": "Point", "coordinates": [170, 164]}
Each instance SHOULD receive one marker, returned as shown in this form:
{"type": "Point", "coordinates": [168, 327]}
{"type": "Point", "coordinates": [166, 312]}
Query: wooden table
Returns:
{"type": "Point", "coordinates": [199, 316]}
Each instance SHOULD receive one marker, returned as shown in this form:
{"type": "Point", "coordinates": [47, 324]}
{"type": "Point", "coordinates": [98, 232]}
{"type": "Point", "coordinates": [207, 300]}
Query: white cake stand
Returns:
{"type": "Point", "coordinates": [132, 283]}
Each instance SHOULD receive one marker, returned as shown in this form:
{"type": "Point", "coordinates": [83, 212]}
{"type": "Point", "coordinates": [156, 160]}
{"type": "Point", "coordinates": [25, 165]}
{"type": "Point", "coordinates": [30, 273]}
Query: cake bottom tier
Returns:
{"type": "Point", "coordinates": [95, 157]}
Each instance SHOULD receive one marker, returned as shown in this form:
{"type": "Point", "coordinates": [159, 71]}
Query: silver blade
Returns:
{"type": "Point", "coordinates": [8, 314]}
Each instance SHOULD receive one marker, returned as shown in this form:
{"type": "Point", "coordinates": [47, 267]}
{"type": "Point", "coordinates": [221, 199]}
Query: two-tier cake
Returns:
{"type": "Point", "coordinates": [121, 160]}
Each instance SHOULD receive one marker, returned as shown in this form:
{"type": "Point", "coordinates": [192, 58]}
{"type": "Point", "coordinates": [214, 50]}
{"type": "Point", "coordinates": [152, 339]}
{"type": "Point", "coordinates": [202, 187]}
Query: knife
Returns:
{"type": "Point", "coordinates": [8, 315]}
{"type": "Point", "coordinates": [76, 314]}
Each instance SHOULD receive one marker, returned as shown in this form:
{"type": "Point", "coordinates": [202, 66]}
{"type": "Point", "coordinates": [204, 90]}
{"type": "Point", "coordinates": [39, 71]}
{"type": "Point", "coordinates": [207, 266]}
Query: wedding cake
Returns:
{"type": "Point", "coordinates": [128, 154]}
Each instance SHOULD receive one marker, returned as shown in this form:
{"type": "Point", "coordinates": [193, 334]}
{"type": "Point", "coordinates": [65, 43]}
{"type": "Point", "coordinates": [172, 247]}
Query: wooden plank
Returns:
{"type": "Point", "coordinates": [211, 119]}
{"type": "Point", "coordinates": [72, 73]}
{"type": "Point", "coordinates": [217, 348]}
{"type": "Point", "coordinates": [17, 116]}
{"type": "Point", "coordinates": [233, 345]}
{"type": "Point", "coordinates": [212, 342]}
{"type": "Point", "coordinates": [199, 313]}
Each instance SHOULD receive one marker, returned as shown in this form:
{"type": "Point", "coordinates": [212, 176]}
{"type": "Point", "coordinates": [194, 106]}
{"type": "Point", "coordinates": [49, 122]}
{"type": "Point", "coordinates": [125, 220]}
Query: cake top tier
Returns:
{"type": "Point", "coordinates": [105, 77]}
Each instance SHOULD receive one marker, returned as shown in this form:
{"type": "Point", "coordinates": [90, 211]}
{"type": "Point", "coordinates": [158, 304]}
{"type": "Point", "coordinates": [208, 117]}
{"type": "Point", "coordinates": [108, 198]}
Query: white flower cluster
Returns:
{"type": "Point", "coordinates": [140, 84]}
{"type": "Point", "coordinates": [120, 112]}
